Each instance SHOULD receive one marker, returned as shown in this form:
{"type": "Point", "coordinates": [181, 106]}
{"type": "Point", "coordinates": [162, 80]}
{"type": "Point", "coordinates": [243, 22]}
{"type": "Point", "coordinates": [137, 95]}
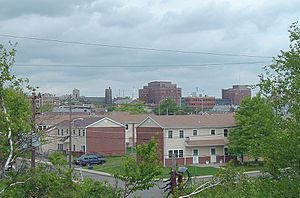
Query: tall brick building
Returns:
{"type": "Point", "coordinates": [156, 91]}
{"type": "Point", "coordinates": [236, 93]}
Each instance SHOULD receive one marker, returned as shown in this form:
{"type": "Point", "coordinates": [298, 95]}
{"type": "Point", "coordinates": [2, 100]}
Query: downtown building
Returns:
{"type": "Point", "coordinates": [236, 94]}
{"type": "Point", "coordinates": [157, 91]}
{"type": "Point", "coordinates": [198, 102]}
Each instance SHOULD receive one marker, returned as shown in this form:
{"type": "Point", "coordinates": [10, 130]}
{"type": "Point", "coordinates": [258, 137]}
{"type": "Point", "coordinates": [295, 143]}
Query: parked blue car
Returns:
{"type": "Point", "coordinates": [90, 159]}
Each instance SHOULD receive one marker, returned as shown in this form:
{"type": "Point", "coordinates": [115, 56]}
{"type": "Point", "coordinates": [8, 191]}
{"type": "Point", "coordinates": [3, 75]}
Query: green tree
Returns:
{"type": "Point", "coordinates": [167, 107]}
{"type": "Point", "coordinates": [274, 123]}
{"type": "Point", "coordinates": [57, 181]}
{"type": "Point", "coordinates": [281, 85]}
{"type": "Point", "coordinates": [139, 173]}
{"type": "Point", "coordinates": [256, 122]}
{"type": "Point", "coordinates": [133, 108]}
{"type": "Point", "coordinates": [15, 111]}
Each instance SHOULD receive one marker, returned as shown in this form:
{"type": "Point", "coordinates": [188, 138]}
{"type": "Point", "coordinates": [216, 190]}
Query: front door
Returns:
{"type": "Point", "coordinates": [195, 156]}
{"type": "Point", "coordinates": [213, 157]}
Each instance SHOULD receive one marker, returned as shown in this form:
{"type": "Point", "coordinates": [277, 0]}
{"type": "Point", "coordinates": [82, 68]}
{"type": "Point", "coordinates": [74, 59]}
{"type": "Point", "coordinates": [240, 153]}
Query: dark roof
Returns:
{"type": "Point", "coordinates": [79, 122]}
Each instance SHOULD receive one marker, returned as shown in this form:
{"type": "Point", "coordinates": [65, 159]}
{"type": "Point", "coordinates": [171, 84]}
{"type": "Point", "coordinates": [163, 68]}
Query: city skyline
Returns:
{"type": "Point", "coordinates": [163, 40]}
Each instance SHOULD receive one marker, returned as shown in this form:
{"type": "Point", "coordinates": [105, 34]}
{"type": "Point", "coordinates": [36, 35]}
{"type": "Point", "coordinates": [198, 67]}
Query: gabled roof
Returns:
{"type": "Point", "coordinates": [105, 118]}
{"type": "Point", "coordinates": [150, 118]}
{"type": "Point", "coordinates": [125, 117]}
{"type": "Point", "coordinates": [195, 121]}
{"type": "Point", "coordinates": [79, 122]}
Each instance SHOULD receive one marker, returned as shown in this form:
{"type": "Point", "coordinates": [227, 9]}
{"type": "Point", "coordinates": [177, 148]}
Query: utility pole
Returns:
{"type": "Point", "coordinates": [173, 180]}
{"type": "Point", "coordinates": [33, 129]}
{"type": "Point", "coordinates": [70, 133]}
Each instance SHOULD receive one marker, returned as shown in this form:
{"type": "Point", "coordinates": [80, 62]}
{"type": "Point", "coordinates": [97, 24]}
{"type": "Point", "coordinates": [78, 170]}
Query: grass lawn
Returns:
{"type": "Point", "coordinates": [114, 163]}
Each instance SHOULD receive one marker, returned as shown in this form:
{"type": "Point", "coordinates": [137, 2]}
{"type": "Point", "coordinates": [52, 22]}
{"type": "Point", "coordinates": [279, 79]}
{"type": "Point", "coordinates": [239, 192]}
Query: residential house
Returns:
{"type": "Point", "coordinates": [193, 139]}
{"type": "Point", "coordinates": [89, 135]}
{"type": "Point", "coordinates": [131, 122]}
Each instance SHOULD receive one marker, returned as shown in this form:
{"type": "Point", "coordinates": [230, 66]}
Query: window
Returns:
{"type": "Point", "coordinates": [170, 134]}
{"type": "Point", "coordinates": [213, 132]}
{"type": "Point", "coordinates": [74, 147]}
{"type": "Point", "coordinates": [57, 131]}
{"type": "Point", "coordinates": [60, 147]}
{"type": "Point", "coordinates": [67, 131]}
{"type": "Point", "coordinates": [74, 132]}
{"type": "Point", "coordinates": [195, 152]}
{"type": "Point", "coordinates": [181, 134]}
{"type": "Point", "coordinates": [78, 132]}
{"type": "Point", "coordinates": [195, 132]}
{"type": "Point", "coordinates": [180, 153]}
{"type": "Point", "coordinates": [82, 148]}
{"type": "Point", "coordinates": [226, 151]}
{"type": "Point", "coordinates": [225, 132]}
{"type": "Point", "coordinates": [83, 132]}
{"type": "Point", "coordinates": [176, 152]}
{"type": "Point", "coordinates": [170, 153]}
{"type": "Point", "coordinates": [62, 131]}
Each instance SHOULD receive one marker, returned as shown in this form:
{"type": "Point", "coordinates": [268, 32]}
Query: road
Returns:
{"type": "Point", "coordinates": [154, 192]}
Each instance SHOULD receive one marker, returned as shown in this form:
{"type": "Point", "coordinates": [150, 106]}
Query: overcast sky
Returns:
{"type": "Point", "coordinates": [251, 27]}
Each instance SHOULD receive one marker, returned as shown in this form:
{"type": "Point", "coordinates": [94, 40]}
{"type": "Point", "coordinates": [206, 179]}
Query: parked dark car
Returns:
{"type": "Point", "coordinates": [89, 159]}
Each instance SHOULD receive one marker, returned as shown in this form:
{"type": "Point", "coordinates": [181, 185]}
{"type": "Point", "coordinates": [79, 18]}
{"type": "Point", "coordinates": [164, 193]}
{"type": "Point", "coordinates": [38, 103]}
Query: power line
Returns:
{"type": "Point", "coordinates": [132, 47]}
{"type": "Point", "coordinates": [136, 66]}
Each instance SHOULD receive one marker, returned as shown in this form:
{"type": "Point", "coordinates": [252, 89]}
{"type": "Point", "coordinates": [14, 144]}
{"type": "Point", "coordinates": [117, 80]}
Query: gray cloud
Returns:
{"type": "Point", "coordinates": [248, 27]}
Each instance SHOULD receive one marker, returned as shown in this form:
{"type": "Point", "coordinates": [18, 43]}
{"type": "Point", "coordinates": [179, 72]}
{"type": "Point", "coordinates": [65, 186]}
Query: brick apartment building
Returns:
{"type": "Point", "coordinates": [89, 135]}
{"type": "Point", "coordinates": [194, 139]}
{"type": "Point", "coordinates": [201, 103]}
{"type": "Point", "coordinates": [236, 93]}
{"type": "Point", "coordinates": [157, 91]}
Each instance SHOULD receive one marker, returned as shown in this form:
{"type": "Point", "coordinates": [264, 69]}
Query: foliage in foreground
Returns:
{"type": "Point", "coordinates": [236, 185]}
{"type": "Point", "coordinates": [139, 173]}
{"type": "Point", "coordinates": [55, 181]}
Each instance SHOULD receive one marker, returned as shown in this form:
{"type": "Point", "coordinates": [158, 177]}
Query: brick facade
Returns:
{"type": "Point", "coordinates": [236, 94]}
{"type": "Point", "coordinates": [144, 134]}
{"type": "Point", "coordinates": [108, 141]}
{"type": "Point", "coordinates": [157, 91]}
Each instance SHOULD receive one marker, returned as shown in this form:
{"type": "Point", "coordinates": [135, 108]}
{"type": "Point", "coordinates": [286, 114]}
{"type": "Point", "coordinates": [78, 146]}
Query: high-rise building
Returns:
{"type": "Point", "coordinates": [236, 93]}
{"type": "Point", "coordinates": [76, 94]}
{"type": "Point", "coordinates": [156, 91]}
{"type": "Point", "coordinates": [108, 96]}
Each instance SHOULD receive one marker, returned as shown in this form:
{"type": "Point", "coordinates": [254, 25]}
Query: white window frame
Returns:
{"type": "Point", "coordinates": [81, 148]}
{"type": "Point", "coordinates": [170, 136]}
{"type": "Point", "coordinates": [181, 130]}
{"type": "Point", "coordinates": [226, 132]}
{"type": "Point", "coordinates": [214, 131]}
{"type": "Point", "coordinates": [174, 151]}
{"type": "Point", "coordinates": [196, 132]}
{"type": "Point", "coordinates": [60, 147]}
